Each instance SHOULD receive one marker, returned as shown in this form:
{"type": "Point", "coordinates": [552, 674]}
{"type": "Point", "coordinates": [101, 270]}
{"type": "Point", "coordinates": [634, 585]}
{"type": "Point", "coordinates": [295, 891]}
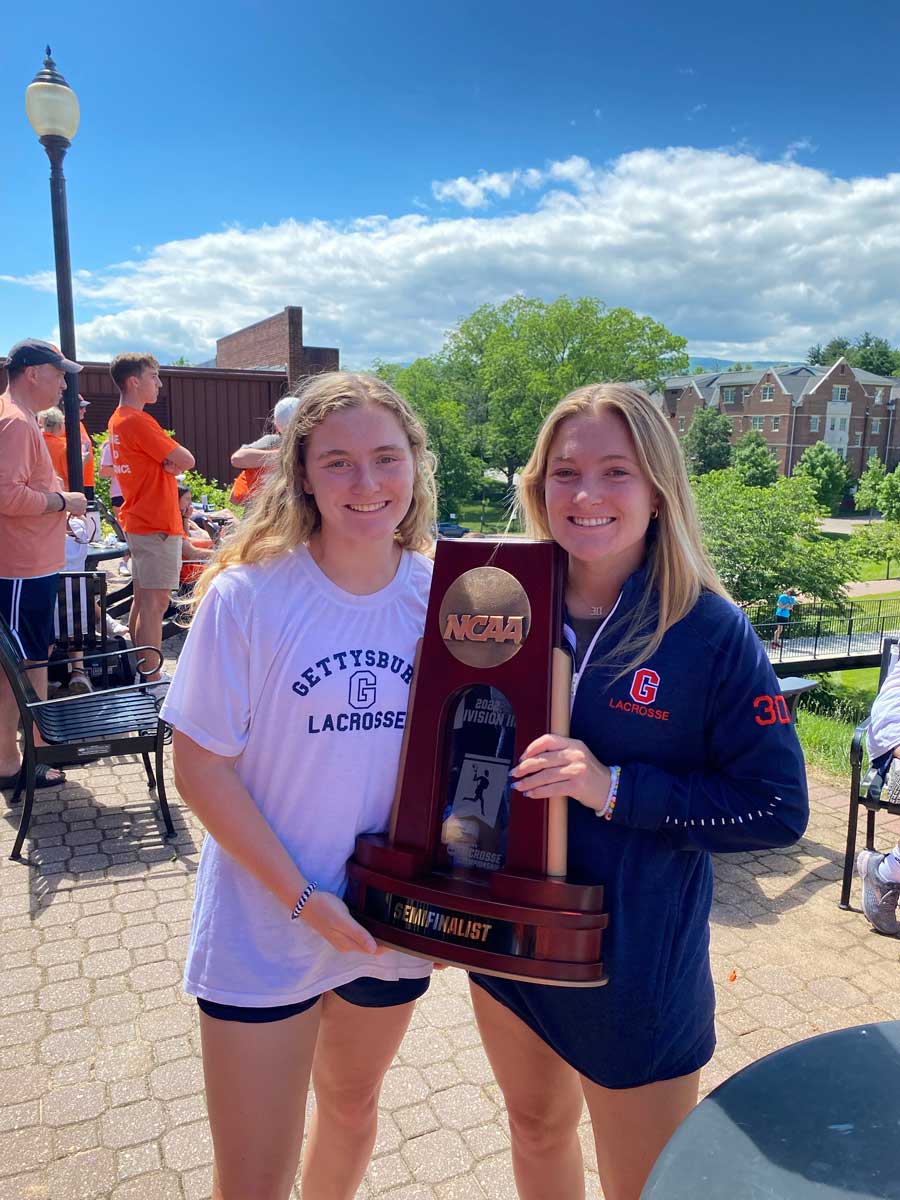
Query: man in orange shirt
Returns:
{"type": "Point", "coordinates": [145, 461]}
{"type": "Point", "coordinates": [33, 504]}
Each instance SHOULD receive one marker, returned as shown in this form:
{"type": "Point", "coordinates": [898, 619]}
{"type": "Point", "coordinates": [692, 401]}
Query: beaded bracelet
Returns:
{"type": "Point", "coordinates": [610, 806]}
{"type": "Point", "coordinates": [304, 896]}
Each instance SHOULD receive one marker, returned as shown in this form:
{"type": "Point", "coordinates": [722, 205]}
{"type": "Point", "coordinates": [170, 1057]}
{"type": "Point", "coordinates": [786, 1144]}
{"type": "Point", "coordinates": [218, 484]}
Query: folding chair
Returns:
{"type": "Point", "coordinates": [864, 792]}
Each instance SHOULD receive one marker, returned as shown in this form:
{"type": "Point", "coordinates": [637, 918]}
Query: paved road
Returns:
{"type": "Point", "coordinates": [100, 1083]}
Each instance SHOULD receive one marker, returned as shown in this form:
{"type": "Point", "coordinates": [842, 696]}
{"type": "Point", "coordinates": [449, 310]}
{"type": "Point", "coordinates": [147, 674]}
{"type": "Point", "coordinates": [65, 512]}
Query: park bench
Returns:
{"type": "Point", "coordinates": [865, 790]}
{"type": "Point", "coordinates": [81, 729]}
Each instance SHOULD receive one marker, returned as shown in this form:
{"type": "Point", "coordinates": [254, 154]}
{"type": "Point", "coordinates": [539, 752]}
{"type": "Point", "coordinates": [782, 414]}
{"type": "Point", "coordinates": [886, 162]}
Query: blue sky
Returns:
{"type": "Point", "coordinates": [390, 166]}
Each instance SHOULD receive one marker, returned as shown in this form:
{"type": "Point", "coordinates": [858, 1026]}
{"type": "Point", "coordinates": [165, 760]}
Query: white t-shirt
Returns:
{"type": "Point", "coordinates": [307, 686]}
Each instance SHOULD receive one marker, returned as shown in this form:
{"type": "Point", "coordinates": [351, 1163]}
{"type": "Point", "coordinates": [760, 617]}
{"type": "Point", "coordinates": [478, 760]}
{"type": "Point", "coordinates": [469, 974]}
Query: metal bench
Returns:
{"type": "Point", "coordinates": [81, 729]}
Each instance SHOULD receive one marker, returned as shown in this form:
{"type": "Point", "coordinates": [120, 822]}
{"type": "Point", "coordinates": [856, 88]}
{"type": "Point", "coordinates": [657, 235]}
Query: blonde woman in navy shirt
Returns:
{"type": "Point", "coordinates": [680, 744]}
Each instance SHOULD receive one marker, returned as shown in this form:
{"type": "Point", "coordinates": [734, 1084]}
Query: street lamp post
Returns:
{"type": "Point", "coordinates": [53, 113]}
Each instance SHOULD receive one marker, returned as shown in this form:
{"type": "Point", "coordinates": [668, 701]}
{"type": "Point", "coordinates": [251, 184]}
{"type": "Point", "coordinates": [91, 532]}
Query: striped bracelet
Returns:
{"type": "Point", "coordinates": [610, 806]}
{"type": "Point", "coordinates": [304, 896]}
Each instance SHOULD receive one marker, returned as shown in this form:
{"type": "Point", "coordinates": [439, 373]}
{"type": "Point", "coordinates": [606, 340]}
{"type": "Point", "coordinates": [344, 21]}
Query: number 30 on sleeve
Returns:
{"type": "Point", "coordinates": [771, 709]}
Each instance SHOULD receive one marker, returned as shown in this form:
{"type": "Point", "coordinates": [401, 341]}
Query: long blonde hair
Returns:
{"type": "Point", "coordinates": [678, 568]}
{"type": "Point", "coordinates": [284, 515]}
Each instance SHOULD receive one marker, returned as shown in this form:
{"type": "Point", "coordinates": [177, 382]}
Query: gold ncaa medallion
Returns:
{"type": "Point", "coordinates": [485, 617]}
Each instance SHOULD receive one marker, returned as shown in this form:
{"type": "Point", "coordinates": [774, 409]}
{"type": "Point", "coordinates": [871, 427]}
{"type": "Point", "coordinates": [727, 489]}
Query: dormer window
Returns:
{"type": "Point", "coordinates": [879, 395]}
{"type": "Point", "coordinates": [728, 395]}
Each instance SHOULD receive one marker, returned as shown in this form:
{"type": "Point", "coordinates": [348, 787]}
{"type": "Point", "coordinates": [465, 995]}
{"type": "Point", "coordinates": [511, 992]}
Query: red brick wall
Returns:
{"type": "Point", "coordinates": [265, 344]}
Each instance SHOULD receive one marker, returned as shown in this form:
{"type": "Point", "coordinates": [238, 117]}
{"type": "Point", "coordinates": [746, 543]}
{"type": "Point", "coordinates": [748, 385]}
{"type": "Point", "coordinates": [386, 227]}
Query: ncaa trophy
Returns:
{"type": "Point", "coordinates": [472, 873]}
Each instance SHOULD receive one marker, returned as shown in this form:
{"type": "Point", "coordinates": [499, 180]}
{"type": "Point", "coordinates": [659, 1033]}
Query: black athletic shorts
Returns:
{"type": "Point", "coordinates": [364, 993]}
{"type": "Point", "coordinates": [28, 606]}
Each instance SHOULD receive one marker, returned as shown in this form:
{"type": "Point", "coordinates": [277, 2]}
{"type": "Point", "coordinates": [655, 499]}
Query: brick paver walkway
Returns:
{"type": "Point", "coordinates": [100, 1081]}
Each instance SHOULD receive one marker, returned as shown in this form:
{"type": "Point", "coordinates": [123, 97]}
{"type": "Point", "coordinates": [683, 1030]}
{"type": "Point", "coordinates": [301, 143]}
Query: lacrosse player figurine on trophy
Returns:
{"type": "Point", "coordinates": [470, 873]}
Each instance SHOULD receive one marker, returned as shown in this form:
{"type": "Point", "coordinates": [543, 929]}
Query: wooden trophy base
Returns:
{"type": "Point", "coordinates": [495, 922]}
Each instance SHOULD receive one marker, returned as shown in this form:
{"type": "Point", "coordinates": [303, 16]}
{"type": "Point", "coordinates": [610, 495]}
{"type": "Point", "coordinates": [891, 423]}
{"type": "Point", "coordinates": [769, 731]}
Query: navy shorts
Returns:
{"type": "Point", "coordinates": [364, 993]}
{"type": "Point", "coordinates": [27, 606]}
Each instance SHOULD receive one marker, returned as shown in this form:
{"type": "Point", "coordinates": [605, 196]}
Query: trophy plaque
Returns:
{"type": "Point", "coordinates": [471, 872]}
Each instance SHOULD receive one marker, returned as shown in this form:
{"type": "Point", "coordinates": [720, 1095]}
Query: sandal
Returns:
{"type": "Point", "coordinates": [41, 778]}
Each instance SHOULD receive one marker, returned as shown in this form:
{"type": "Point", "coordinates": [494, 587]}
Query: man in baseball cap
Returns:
{"type": "Point", "coordinates": [33, 507]}
{"type": "Point", "coordinates": [32, 353]}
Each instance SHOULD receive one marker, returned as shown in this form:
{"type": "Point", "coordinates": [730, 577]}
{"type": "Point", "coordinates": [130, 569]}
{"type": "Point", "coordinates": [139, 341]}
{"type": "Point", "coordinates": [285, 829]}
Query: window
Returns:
{"type": "Point", "coordinates": [857, 439]}
{"type": "Point", "coordinates": [813, 424]}
{"type": "Point", "coordinates": [757, 423]}
{"type": "Point", "coordinates": [768, 392]}
{"type": "Point", "coordinates": [842, 424]}
{"type": "Point", "coordinates": [681, 424]}
{"type": "Point", "coordinates": [839, 394]}
{"type": "Point", "coordinates": [776, 424]}
{"type": "Point", "coordinates": [832, 424]}
{"type": "Point", "coordinates": [728, 395]}
{"type": "Point", "coordinates": [745, 392]}
{"type": "Point", "coordinates": [879, 395]}
{"type": "Point", "coordinates": [876, 424]}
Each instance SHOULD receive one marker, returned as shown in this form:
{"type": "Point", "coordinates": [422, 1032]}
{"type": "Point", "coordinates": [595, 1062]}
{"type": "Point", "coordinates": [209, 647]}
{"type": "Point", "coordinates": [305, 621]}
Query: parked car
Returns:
{"type": "Point", "coordinates": [451, 529]}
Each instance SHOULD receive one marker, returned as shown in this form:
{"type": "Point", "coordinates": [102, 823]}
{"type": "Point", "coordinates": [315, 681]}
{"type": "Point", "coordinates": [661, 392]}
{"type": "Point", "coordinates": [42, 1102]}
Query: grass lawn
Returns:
{"type": "Point", "coordinates": [495, 517]}
{"type": "Point", "coordinates": [825, 742]}
{"type": "Point", "coordinates": [869, 568]}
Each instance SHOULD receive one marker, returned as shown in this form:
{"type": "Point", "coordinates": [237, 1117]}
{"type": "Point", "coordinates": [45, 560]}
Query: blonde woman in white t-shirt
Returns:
{"type": "Point", "coordinates": [289, 704]}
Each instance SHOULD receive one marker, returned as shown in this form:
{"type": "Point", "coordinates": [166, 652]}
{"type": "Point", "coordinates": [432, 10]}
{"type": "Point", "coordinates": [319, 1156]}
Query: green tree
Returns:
{"type": "Point", "coordinates": [510, 363]}
{"type": "Point", "coordinates": [889, 496]}
{"type": "Point", "coordinates": [707, 444]}
{"type": "Point", "coordinates": [699, 370]}
{"type": "Point", "coordinates": [868, 490]}
{"type": "Point", "coordinates": [424, 384]}
{"type": "Point", "coordinates": [828, 473]}
{"type": "Point", "coordinates": [765, 539]}
{"type": "Point", "coordinates": [874, 354]}
{"type": "Point", "coordinates": [753, 461]}
{"type": "Point", "coordinates": [869, 352]}
{"type": "Point", "coordinates": [181, 361]}
{"type": "Point", "coordinates": [739, 366]}
{"type": "Point", "coordinates": [879, 540]}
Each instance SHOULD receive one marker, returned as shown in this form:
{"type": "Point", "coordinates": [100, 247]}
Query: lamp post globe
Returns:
{"type": "Point", "coordinates": [53, 113]}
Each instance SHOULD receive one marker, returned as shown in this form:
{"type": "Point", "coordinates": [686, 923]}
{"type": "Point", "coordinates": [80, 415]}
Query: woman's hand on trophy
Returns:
{"type": "Point", "coordinates": [561, 766]}
{"type": "Point", "coordinates": [330, 917]}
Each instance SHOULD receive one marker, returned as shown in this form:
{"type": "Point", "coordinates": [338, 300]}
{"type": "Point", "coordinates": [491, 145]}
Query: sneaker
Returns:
{"type": "Point", "coordinates": [79, 684]}
{"type": "Point", "coordinates": [115, 628]}
{"type": "Point", "coordinates": [124, 568]}
{"type": "Point", "coordinates": [879, 899]}
{"type": "Point", "coordinates": [156, 687]}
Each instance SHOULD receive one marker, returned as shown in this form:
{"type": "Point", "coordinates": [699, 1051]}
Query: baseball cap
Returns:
{"type": "Point", "coordinates": [84, 403]}
{"type": "Point", "coordinates": [32, 353]}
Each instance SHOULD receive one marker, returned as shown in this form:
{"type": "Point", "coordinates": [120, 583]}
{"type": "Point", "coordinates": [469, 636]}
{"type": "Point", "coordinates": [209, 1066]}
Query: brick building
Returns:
{"type": "Point", "coordinates": [275, 344]}
{"type": "Point", "coordinates": [792, 407]}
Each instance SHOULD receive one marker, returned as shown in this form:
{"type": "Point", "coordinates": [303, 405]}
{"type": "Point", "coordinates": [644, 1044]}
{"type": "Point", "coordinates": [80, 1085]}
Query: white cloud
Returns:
{"type": "Point", "coordinates": [476, 193]}
{"type": "Point", "coordinates": [795, 148]}
{"type": "Point", "coordinates": [746, 258]}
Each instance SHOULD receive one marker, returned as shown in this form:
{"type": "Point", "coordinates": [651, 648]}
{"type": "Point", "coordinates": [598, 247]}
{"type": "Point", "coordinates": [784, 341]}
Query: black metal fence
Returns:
{"type": "Point", "coordinates": [829, 629]}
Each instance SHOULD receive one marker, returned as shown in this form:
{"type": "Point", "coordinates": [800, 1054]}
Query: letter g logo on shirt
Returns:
{"type": "Point", "coordinates": [644, 686]}
{"type": "Point", "coordinates": [363, 686]}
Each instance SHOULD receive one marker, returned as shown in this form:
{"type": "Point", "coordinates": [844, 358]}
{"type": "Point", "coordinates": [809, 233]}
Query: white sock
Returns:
{"type": "Point", "coordinates": [889, 867]}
